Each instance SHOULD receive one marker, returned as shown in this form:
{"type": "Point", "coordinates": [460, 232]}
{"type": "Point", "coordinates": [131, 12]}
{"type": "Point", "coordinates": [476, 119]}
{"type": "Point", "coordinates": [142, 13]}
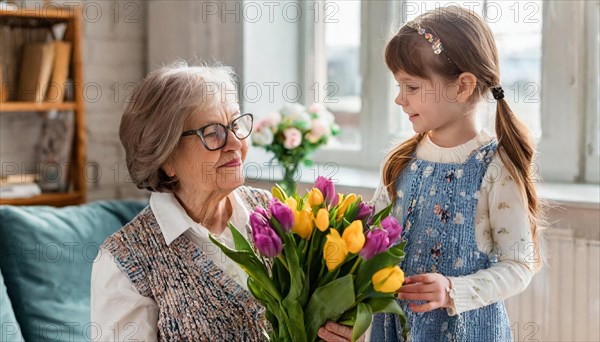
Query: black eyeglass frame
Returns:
{"type": "Point", "coordinates": [200, 131]}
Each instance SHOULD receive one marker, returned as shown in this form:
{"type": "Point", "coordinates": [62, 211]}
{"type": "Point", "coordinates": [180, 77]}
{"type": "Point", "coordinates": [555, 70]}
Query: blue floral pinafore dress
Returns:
{"type": "Point", "coordinates": [436, 203]}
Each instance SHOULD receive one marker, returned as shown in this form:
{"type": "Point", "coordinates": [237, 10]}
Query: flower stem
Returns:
{"type": "Point", "coordinates": [355, 265]}
{"type": "Point", "coordinates": [282, 259]}
{"type": "Point", "coordinates": [362, 296]}
{"type": "Point", "coordinates": [306, 245]}
{"type": "Point", "coordinates": [321, 271]}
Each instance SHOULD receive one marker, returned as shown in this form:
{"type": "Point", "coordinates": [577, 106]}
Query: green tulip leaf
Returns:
{"type": "Point", "coordinates": [385, 212]}
{"type": "Point", "coordinates": [295, 322]}
{"type": "Point", "coordinates": [363, 320]}
{"type": "Point", "coordinates": [328, 302]}
{"type": "Point", "coordinates": [385, 305]}
{"type": "Point", "coordinates": [240, 242]}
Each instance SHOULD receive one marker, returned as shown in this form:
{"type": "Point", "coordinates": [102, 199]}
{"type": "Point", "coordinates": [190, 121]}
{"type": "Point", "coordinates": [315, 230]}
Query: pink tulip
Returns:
{"type": "Point", "coordinates": [325, 185]}
{"type": "Point", "coordinates": [377, 241]}
{"type": "Point", "coordinates": [394, 229]}
{"type": "Point", "coordinates": [282, 213]}
{"type": "Point", "coordinates": [266, 240]}
{"type": "Point", "coordinates": [364, 211]}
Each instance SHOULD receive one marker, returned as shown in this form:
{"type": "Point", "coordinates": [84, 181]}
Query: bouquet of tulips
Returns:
{"type": "Point", "coordinates": [328, 257]}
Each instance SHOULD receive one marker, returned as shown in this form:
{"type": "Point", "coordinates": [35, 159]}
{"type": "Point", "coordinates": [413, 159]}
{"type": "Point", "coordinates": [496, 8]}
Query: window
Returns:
{"type": "Point", "coordinates": [549, 71]}
{"type": "Point", "coordinates": [343, 44]}
{"type": "Point", "coordinates": [517, 27]}
{"type": "Point", "coordinates": [339, 71]}
{"type": "Point", "coordinates": [338, 53]}
{"type": "Point", "coordinates": [569, 78]}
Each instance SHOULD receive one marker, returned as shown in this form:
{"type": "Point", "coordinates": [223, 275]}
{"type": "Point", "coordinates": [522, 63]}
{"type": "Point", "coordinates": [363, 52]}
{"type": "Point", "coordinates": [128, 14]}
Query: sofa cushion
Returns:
{"type": "Point", "coordinates": [46, 255]}
{"type": "Point", "coordinates": [9, 327]}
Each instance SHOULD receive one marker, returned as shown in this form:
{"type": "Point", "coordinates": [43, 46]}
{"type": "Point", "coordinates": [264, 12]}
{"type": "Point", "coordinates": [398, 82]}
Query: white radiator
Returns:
{"type": "Point", "coordinates": [562, 303]}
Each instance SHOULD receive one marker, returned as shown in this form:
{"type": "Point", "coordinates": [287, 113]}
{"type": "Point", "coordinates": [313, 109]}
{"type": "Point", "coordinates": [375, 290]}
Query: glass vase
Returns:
{"type": "Point", "coordinates": [288, 182]}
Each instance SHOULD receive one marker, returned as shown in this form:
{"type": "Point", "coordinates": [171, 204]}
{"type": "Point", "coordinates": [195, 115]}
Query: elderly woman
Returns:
{"type": "Point", "coordinates": [160, 277]}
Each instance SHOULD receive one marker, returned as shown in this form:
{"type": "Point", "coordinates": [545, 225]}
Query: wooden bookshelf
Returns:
{"type": "Point", "coordinates": [35, 107]}
{"type": "Point", "coordinates": [48, 15]}
{"type": "Point", "coordinates": [47, 12]}
{"type": "Point", "coordinates": [53, 199]}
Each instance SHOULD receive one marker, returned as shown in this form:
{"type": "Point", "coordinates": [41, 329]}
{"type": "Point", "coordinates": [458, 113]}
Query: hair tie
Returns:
{"type": "Point", "coordinates": [498, 92]}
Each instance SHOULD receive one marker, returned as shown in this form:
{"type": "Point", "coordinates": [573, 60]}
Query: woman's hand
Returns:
{"type": "Point", "coordinates": [430, 287]}
{"type": "Point", "coordinates": [333, 332]}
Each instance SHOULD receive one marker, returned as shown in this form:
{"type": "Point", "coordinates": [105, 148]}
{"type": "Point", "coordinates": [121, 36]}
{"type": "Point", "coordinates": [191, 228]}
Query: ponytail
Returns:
{"type": "Point", "coordinates": [396, 161]}
{"type": "Point", "coordinates": [516, 151]}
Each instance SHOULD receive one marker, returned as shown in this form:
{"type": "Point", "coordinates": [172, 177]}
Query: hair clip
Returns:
{"type": "Point", "coordinates": [436, 44]}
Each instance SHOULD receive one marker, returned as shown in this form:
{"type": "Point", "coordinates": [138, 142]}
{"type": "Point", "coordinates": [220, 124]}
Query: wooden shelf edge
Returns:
{"type": "Point", "coordinates": [46, 12]}
{"type": "Point", "coordinates": [34, 107]}
{"type": "Point", "coordinates": [52, 199]}
{"type": "Point", "coordinates": [41, 15]}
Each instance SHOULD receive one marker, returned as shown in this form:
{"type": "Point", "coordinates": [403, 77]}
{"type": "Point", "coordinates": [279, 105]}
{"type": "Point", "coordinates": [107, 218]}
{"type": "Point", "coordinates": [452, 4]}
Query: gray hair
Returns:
{"type": "Point", "coordinates": [159, 107]}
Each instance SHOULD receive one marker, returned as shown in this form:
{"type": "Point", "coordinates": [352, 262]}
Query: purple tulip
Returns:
{"type": "Point", "coordinates": [394, 229]}
{"type": "Point", "coordinates": [266, 240]}
{"type": "Point", "coordinates": [259, 217]}
{"type": "Point", "coordinates": [325, 185]}
{"type": "Point", "coordinates": [364, 211]}
{"type": "Point", "coordinates": [282, 213]}
{"type": "Point", "coordinates": [377, 242]}
{"type": "Point", "coordinates": [264, 212]}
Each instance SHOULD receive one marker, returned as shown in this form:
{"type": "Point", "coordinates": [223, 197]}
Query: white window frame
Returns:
{"type": "Point", "coordinates": [592, 146]}
{"type": "Point", "coordinates": [565, 86]}
{"type": "Point", "coordinates": [377, 98]}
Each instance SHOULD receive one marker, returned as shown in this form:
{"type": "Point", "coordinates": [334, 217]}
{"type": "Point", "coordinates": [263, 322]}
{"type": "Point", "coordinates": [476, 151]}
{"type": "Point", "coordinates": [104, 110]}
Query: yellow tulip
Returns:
{"type": "Point", "coordinates": [335, 250]}
{"type": "Point", "coordinates": [354, 236]}
{"type": "Point", "coordinates": [277, 193]}
{"type": "Point", "coordinates": [345, 203]}
{"type": "Point", "coordinates": [304, 224]}
{"type": "Point", "coordinates": [315, 197]}
{"type": "Point", "coordinates": [388, 280]}
{"type": "Point", "coordinates": [322, 219]}
{"type": "Point", "coordinates": [292, 204]}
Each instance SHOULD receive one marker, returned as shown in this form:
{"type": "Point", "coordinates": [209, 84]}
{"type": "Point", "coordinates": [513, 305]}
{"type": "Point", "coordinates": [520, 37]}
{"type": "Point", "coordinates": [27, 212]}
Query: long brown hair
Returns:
{"type": "Point", "coordinates": [469, 46]}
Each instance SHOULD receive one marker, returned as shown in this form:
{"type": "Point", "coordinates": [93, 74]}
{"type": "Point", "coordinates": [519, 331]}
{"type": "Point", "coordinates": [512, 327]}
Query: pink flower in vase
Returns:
{"type": "Point", "coordinates": [273, 119]}
{"type": "Point", "coordinates": [293, 138]}
{"type": "Point", "coordinates": [318, 129]}
{"type": "Point", "coordinates": [315, 108]}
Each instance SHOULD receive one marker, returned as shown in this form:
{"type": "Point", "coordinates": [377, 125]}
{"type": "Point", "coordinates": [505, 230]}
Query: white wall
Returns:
{"type": "Point", "coordinates": [195, 30]}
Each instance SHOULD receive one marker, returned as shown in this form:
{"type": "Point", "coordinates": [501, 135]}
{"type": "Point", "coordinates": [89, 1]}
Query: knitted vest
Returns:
{"type": "Point", "coordinates": [197, 300]}
{"type": "Point", "coordinates": [437, 204]}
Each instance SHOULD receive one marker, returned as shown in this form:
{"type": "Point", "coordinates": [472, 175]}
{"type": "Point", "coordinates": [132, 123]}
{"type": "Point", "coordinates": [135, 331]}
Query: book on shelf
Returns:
{"type": "Point", "coordinates": [12, 191]}
{"type": "Point", "coordinates": [36, 68]}
{"type": "Point", "coordinates": [60, 72]}
{"type": "Point", "coordinates": [19, 186]}
{"type": "Point", "coordinates": [3, 87]}
{"type": "Point", "coordinates": [54, 150]}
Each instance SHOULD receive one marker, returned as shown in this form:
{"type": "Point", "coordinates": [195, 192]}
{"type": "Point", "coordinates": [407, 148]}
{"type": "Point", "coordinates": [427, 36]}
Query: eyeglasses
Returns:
{"type": "Point", "coordinates": [214, 136]}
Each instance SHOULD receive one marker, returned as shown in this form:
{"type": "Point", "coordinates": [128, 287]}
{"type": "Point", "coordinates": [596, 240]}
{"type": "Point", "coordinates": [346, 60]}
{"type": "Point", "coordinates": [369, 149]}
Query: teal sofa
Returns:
{"type": "Point", "coordinates": [46, 258]}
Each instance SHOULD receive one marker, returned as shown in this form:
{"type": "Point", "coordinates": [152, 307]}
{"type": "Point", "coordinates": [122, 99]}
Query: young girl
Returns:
{"type": "Point", "coordinates": [466, 199]}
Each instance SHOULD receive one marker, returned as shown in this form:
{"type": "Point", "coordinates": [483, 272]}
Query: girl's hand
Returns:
{"type": "Point", "coordinates": [430, 287]}
{"type": "Point", "coordinates": [333, 332]}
